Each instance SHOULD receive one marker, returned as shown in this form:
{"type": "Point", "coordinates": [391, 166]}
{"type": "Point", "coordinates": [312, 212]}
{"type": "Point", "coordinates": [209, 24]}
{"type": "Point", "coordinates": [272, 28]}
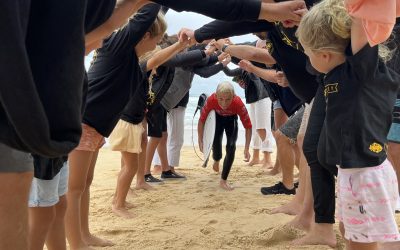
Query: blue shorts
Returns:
{"type": "Point", "coordinates": [394, 132]}
{"type": "Point", "coordinates": [277, 105]}
{"type": "Point", "coordinates": [46, 193]}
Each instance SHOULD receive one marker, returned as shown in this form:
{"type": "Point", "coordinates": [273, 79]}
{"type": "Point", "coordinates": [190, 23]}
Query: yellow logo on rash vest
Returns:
{"type": "Point", "coordinates": [375, 147]}
{"type": "Point", "coordinates": [331, 88]}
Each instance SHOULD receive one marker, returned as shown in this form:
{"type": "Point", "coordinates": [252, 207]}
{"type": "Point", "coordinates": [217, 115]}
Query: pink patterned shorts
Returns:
{"type": "Point", "coordinates": [366, 203]}
{"type": "Point", "coordinates": [91, 140]}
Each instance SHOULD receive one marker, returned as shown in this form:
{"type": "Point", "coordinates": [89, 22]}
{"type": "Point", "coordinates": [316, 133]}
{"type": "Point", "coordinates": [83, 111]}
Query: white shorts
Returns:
{"type": "Point", "coordinates": [126, 137]}
{"type": "Point", "coordinates": [47, 193]}
{"type": "Point", "coordinates": [260, 116]}
{"type": "Point", "coordinates": [366, 203]}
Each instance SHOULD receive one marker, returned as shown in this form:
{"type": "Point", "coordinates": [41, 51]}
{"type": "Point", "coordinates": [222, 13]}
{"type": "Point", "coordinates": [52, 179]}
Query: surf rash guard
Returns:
{"type": "Point", "coordinates": [237, 107]}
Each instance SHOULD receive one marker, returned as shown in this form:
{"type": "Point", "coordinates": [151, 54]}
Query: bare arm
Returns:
{"type": "Point", "coordinates": [247, 145]}
{"type": "Point", "coordinates": [358, 37]}
{"type": "Point", "coordinates": [164, 55]}
{"type": "Point", "coordinates": [200, 132]}
{"type": "Point", "coordinates": [266, 74]}
{"type": "Point", "coordinates": [123, 10]}
{"type": "Point", "coordinates": [247, 52]}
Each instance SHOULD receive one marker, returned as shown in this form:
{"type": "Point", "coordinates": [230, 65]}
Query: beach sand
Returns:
{"type": "Point", "coordinates": [196, 213]}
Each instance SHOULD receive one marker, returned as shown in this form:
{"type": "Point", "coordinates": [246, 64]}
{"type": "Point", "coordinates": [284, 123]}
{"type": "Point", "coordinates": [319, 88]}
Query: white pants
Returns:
{"type": "Point", "coordinates": [260, 116]}
{"type": "Point", "coordinates": [176, 130]}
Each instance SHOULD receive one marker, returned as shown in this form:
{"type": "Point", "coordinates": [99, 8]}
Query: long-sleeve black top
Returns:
{"type": "Point", "coordinates": [115, 74]}
{"type": "Point", "coordinates": [285, 49]}
{"type": "Point", "coordinates": [228, 10]}
{"type": "Point", "coordinates": [41, 72]}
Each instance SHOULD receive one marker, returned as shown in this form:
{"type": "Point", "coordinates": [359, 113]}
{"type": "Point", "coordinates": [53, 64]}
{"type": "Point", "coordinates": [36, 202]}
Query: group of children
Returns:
{"type": "Point", "coordinates": [350, 88]}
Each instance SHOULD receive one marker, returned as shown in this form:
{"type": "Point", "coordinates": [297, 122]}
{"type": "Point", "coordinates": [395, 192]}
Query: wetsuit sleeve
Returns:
{"type": "Point", "coordinates": [127, 37]}
{"type": "Point", "coordinates": [228, 10]}
{"type": "Point", "coordinates": [221, 29]}
{"type": "Point", "coordinates": [208, 71]}
{"type": "Point", "coordinates": [242, 112]}
{"type": "Point", "coordinates": [232, 72]}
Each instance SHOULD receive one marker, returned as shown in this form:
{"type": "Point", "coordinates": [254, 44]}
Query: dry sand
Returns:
{"type": "Point", "coordinates": [196, 213]}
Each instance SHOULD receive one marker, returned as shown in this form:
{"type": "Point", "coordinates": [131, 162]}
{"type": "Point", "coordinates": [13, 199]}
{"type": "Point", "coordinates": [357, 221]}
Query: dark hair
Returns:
{"type": "Point", "coordinates": [167, 40]}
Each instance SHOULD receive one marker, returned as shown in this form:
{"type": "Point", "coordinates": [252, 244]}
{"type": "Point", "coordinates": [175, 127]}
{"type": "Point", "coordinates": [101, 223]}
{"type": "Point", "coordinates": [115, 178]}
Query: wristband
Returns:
{"type": "Point", "coordinates": [224, 47]}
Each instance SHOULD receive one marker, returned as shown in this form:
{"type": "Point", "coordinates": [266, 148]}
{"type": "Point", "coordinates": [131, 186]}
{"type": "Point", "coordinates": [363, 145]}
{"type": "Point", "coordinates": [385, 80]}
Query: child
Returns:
{"type": "Point", "coordinates": [113, 79]}
{"type": "Point", "coordinates": [227, 107]}
{"type": "Point", "coordinates": [360, 91]}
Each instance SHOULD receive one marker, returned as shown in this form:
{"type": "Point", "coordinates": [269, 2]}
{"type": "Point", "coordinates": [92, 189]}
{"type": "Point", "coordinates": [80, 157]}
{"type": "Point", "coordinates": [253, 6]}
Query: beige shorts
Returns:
{"type": "Point", "coordinates": [91, 140]}
{"type": "Point", "coordinates": [127, 137]}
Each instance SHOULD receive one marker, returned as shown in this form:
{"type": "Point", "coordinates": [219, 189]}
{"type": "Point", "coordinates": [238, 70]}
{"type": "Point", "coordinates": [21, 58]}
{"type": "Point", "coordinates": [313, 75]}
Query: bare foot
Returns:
{"type": "Point", "coordinates": [157, 169]}
{"type": "Point", "coordinates": [224, 185]}
{"type": "Point", "coordinates": [389, 246]}
{"type": "Point", "coordinates": [291, 208]}
{"type": "Point", "coordinates": [321, 234]}
{"type": "Point", "coordinates": [131, 193]}
{"type": "Point", "coordinates": [268, 166]}
{"type": "Point", "coordinates": [83, 248]}
{"type": "Point", "coordinates": [216, 166]}
{"type": "Point", "coordinates": [301, 223]}
{"type": "Point", "coordinates": [122, 212]}
{"type": "Point", "coordinates": [144, 186]}
{"type": "Point", "coordinates": [129, 205]}
{"type": "Point", "coordinates": [273, 171]}
{"type": "Point", "coordinates": [254, 162]}
{"type": "Point", "coordinates": [95, 241]}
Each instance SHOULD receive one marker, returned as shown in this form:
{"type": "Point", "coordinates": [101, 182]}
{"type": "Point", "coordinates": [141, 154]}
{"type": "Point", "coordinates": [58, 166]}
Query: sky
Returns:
{"type": "Point", "coordinates": [178, 20]}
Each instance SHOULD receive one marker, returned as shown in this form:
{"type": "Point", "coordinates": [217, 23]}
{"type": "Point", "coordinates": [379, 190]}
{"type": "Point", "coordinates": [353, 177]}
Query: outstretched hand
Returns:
{"type": "Point", "coordinates": [246, 155]}
{"type": "Point", "coordinates": [289, 12]}
{"type": "Point", "coordinates": [186, 34]}
{"type": "Point", "coordinates": [246, 65]}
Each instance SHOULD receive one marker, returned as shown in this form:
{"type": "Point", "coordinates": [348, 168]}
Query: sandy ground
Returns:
{"type": "Point", "coordinates": [196, 213]}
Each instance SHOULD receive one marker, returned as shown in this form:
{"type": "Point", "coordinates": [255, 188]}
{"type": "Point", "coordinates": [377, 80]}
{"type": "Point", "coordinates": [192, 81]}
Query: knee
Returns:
{"type": "Point", "coordinates": [230, 148]}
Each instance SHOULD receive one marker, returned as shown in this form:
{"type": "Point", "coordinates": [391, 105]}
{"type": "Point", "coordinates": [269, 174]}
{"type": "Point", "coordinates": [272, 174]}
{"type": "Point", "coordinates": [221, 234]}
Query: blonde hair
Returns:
{"type": "Point", "coordinates": [159, 25]}
{"type": "Point", "coordinates": [327, 26]}
{"type": "Point", "coordinates": [148, 55]}
{"type": "Point", "coordinates": [225, 87]}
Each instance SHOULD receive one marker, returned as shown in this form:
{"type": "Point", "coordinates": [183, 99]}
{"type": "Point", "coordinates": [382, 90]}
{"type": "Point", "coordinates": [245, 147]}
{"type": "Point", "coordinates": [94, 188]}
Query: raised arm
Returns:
{"type": "Point", "coordinates": [266, 74]}
{"type": "Point", "coordinates": [185, 58]}
{"type": "Point", "coordinates": [358, 36]}
{"type": "Point", "coordinates": [123, 10]}
{"type": "Point", "coordinates": [232, 72]}
{"type": "Point", "coordinates": [164, 55]}
{"type": "Point", "coordinates": [247, 52]}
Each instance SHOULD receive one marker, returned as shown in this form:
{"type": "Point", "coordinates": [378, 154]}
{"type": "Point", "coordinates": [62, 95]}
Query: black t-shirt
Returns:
{"type": "Point", "coordinates": [360, 95]}
{"type": "Point", "coordinates": [97, 12]}
{"type": "Point", "coordinates": [115, 72]}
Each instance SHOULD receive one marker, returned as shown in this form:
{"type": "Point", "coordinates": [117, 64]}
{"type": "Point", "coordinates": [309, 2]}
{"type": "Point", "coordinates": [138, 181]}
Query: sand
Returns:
{"type": "Point", "coordinates": [196, 213]}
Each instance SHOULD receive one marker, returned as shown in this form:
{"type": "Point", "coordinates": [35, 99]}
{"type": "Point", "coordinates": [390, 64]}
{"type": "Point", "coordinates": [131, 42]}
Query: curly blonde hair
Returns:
{"type": "Point", "coordinates": [327, 26]}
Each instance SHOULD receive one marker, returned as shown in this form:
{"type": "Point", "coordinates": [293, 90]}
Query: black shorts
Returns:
{"type": "Point", "coordinates": [157, 121]}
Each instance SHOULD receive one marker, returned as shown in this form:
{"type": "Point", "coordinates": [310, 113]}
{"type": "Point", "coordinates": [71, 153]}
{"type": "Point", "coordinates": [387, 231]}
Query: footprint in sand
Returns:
{"type": "Point", "coordinates": [212, 222]}
{"type": "Point", "coordinates": [207, 230]}
{"type": "Point", "coordinates": [273, 236]}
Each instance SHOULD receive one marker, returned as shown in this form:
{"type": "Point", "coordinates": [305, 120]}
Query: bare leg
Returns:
{"type": "Point", "coordinates": [56, 236]}
{"type": "Point", "coordinates": [157, 169]}
{"type": "Point", "coordinates": [295, 206]}
{"type": "Point", "coordinates": [162, 152]}
{"type": "Point", "coordinates": [79, 164]}
{"type": "Point", "coordinates": [280, 118]}
{"type": "Point", "coordinates": [151, 149]}
{"type": "Point", "coordinates": [304, 219]}
{"type": "Point", "coordinates": [286, 159]}
{"type": "Point", "coordinates": [128, 171]}
{"type": "Point", "coordinates": [87, 237]}
{"type": "Point", "coordinates": [40, 221]}
{"type": "Point", "coordinates": [256, 158]}
{"type": "Point", "coordinates": [216, 166]}
{"type": "Point", "coordinates": [140, 183]}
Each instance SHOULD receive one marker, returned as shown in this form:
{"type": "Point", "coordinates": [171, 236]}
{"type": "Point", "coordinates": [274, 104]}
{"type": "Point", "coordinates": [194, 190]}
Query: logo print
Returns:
{"type": "Point", "coordinates": [331, 88]}
{"type": "Point", "coordinates": [375, 147]}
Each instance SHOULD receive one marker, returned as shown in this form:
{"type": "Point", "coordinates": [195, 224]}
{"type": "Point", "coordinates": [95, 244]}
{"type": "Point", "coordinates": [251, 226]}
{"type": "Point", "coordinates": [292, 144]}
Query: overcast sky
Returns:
{"type": "Point", "coordinates": [178, 20]}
